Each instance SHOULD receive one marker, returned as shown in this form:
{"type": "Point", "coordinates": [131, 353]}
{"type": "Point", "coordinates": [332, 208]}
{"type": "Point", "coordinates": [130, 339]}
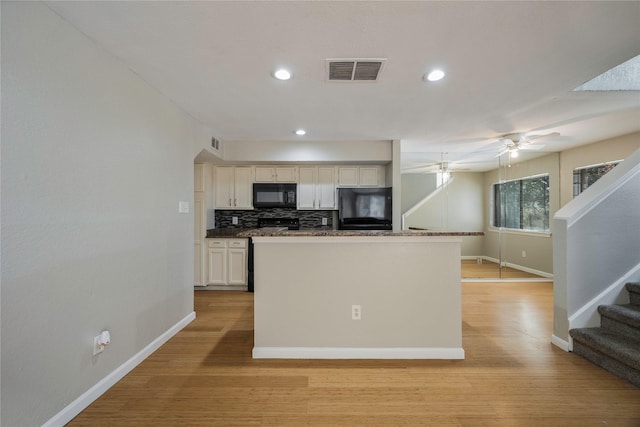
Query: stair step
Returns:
{"type": "Point", "coordinates": [613, 352]}
{"type": "Point", "coordinates": [622, 319]}
{"type": "Point", "coordinates": [634, 292]}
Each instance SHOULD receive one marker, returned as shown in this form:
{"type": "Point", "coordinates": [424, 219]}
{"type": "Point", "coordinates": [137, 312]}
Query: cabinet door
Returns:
{"type": "Point", "coordinates": [369, 176]}
{"type": "Point", "coordinates": [348, 176]}
{"type": "Point", "coordinates": [237, 258]}
{"type": "Point", "coordinates": [199, 254]}
{"type": "Point", "coordinates": [243, 198]}
{"type": "Point", "coordinates": [198, 265]}
{"type": "Point", "coordinates": [286, 174]}
{"type": "Point", "coordinates": [326, 188]}
{"type": "Point", "coordinates": [224, 187]}
{"type": "Point", "coordinates": [265, 174]}
{"type": "Point", "coordinates": [217, 263]}
{"type": "Point", "coordinates": [198, 177]}
{"type": "Point", "coordinates": [307, 188]}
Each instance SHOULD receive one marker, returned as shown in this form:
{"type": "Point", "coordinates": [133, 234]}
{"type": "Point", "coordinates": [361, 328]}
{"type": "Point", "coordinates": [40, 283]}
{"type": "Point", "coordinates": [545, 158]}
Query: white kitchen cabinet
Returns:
{"type": "Point", "coordinates": [199, 214]}
{"type": "Point", "coordinates": [361, 176]}
{"type": "Point", "coordinates": [202, 203]}
{"type": "Point", "coordinates": [276, 174]}
{"type": "Point", "coordinates": [371, 176]}
{"type": "Point", "coordinates": [348, 176]}
{"type": "Point", "coordinates": [317, 187]}
{"type": "Point", "coordinates": [234, 187]}
{"type": "Point", "coordinates": [227, 261]}
{"type": "Point", "coordinates": [216, 262]}
{"type": "Point", "coordinates": [237, 261]}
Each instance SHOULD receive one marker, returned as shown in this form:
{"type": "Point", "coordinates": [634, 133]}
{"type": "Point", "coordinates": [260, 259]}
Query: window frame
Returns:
{"type": "Point", "coordinates": [580, 185]}
{"type": "Point", "coordinates": [494, 208]}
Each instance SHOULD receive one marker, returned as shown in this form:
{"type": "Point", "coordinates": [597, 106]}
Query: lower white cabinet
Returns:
{"type": "Point", "coordinates": [227, 261]}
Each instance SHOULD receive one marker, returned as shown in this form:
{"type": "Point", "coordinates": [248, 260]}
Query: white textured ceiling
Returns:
{"type": "Point", "coordinates": [511, 67]}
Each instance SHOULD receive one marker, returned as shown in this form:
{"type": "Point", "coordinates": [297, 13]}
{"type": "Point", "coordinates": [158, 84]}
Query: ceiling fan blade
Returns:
{"type": "Point", "coordinates": [421, 169]}
{"type": "Point", "coordinates": [531, 147]}
{"type": "Point", "coordinates": [530, 138]}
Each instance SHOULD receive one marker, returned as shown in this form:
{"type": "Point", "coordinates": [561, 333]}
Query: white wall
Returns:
{"type": "Point", "coordinates": [458, 206]}
{"type": "Point", "coordinates": [94, 162]}
{"type": "Point", "coordinates": [308, 151]}
{"type": "Point", "coordinates": [416, 187]}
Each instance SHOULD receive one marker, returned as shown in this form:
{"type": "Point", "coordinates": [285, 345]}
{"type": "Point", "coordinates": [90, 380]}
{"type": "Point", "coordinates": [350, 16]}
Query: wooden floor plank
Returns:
{"type": "Point", "coordinates": [511, 376]}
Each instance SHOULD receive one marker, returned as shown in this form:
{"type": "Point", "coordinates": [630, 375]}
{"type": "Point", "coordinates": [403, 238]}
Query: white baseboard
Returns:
{"type": "Point", "coordinates": [512, 265]}
{"type": "Point", "coordinates": [88, 397]}
{"type": "Point", "coordinates": [356, 353]}
{"type": "Point", "coordinates": [560, 343]}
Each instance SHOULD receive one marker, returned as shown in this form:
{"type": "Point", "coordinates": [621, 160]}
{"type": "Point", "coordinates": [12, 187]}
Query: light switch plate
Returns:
{"type": "Point", "coordinates": [183, 207]}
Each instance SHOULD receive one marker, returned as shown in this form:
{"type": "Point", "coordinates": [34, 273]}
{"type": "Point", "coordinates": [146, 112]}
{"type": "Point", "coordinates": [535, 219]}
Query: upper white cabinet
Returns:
{"type": "Point", "coordinates": [276, 174]}
{"type": "Point", "coordinates": [361, 176]}
{"type": "Point", "coordinates": [317, 187]}
{"type": "Point", "coordinates": [234, 187]}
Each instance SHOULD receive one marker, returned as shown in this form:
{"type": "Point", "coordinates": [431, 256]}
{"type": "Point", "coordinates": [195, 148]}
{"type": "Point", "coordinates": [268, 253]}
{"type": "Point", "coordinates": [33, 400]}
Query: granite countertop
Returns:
{"type": "Point", "coordinates": [281, 232]}
{"type": "Point", "coordinates": [228, 232]}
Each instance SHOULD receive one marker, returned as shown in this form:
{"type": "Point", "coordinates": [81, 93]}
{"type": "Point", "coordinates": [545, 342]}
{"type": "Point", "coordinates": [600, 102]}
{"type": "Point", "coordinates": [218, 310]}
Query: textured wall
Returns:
{"type": "Point", "coordinates": [94, 162]}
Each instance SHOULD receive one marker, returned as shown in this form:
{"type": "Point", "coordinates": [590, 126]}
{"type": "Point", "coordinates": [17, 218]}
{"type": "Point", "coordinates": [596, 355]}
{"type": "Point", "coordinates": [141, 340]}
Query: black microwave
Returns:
{"type": "Point", "coordinates": [274, 195]}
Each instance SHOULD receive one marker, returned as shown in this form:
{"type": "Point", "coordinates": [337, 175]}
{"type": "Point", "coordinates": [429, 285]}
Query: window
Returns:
{"type": "Point", "coordinates": [522, 204]}
{"type": "Point", "coordinates": [584, 177]}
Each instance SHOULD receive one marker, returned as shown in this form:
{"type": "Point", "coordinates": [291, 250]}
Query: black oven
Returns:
{"type": "Point", "coordinates": [274, 195]}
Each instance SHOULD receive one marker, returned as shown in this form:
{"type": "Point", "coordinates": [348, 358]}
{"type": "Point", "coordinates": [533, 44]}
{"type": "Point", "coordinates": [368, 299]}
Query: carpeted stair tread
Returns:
{"type": "Point", "coordinates": [634, 292]}
{"type": "Point", "coordinates": [624, 313]}
{"type": "Point", "coordinates": [613, 345]}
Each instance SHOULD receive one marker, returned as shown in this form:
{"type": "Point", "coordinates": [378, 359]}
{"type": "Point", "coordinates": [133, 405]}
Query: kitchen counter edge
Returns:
{"type": "Point", "coordinates": [351, 233]}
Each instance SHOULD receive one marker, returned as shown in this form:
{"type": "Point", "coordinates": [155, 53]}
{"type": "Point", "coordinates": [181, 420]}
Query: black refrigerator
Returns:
{"type": "Point", "coordinates": [364, 208]}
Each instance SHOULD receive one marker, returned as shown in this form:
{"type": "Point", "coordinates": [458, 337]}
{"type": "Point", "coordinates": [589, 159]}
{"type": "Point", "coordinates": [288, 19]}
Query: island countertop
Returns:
{"type": "Point", "coordinates": [312, 232]}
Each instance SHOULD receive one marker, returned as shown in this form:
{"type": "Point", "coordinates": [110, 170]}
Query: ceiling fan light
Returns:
{"type": "Point", "coordinates": [513, 153]}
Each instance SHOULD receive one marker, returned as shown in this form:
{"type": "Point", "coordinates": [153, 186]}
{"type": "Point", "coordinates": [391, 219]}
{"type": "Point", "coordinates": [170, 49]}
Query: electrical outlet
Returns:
{"type": "Point", "coordinates": [324, 221]}
{"type": "Point", "coordinates": [97, 348]}
{"type": "Point", "coordinates": [524, 254]}
{"type": "Point", "coordinates": [356, 312]}
{"type": "Point", "coordinates": [234, 220]}
{"type": "Point", "coordinates": [183, 207]}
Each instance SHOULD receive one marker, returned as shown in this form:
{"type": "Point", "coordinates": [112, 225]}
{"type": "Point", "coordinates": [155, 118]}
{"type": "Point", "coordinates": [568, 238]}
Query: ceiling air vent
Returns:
{"type": "Point", "coordinates": [354, 69]}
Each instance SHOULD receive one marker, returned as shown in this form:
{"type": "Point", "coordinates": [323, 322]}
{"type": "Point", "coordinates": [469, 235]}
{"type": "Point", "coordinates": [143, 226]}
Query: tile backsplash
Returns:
{"type": "Point", "coordinates": [249, 218]}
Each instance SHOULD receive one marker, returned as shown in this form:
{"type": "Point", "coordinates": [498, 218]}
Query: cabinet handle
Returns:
{"type": "Point", "coordinates": [229, 201]}
{"type": "Point", "coordinates": [235, 202]}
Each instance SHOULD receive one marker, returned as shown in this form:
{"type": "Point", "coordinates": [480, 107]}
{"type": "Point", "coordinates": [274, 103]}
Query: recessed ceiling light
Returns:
{"type": "Point", "coordinates": [435, 75]}
{"type": "Point", "coordinates": [282, 74]}
{"type": "Point", "coordinates": [300, 132]}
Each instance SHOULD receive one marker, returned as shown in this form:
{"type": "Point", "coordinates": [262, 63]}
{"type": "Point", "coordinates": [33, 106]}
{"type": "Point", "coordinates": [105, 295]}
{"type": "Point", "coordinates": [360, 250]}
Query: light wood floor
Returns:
{"type": "Point", "coordinates": [512, 376]}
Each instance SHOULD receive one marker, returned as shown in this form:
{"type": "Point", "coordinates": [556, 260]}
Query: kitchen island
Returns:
{"type": "Point", "coordinates": [352, 294]}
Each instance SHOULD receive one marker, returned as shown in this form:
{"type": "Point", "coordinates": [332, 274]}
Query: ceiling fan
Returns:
{"type": "Point", "coordinates": [514, 142]}
{"type": "Point", "coordinates": [443, 166]}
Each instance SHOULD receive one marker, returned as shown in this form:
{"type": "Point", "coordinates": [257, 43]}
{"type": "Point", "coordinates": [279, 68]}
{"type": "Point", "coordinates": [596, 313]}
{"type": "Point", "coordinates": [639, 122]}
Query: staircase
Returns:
{"type": "Point", "coordinates": [615, 345]}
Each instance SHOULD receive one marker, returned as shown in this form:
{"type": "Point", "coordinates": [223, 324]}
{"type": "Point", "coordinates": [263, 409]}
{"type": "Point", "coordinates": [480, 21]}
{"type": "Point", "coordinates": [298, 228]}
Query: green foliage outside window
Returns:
{"type": "Point", "coordinates": [522, 204]}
